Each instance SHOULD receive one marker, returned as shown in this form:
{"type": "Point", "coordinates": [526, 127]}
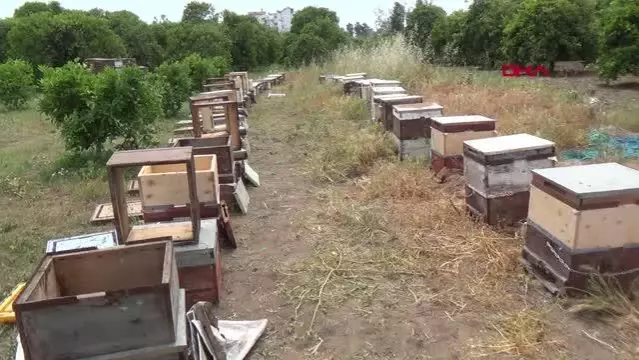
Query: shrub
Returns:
{"type": "Point", "coordinates": [92, 110]}
{"type": "Point", "coordinates": [16, 83]}
{"type": "Point", "coordinates": [174, 83]}
{"type": "Point", "coordinates": [201, 69]}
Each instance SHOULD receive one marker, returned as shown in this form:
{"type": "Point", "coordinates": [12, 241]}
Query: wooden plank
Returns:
{"type": "Point", "coordinates": [177, 232]}
{"type": "Point", "coordinates": [133, 187]}
{"type": "Point", "coordinates": [241, 196]}
{"type": "Point", "coordinates": [156, 156]}
{"type": "Point", "coordinates": [251, 175]}
{"type": "Point", "coordinates": [104, 212]}
{"type": "Point", "coordinates": [225, 227]}
{"type": "Point", "coordinates": [118, 202]}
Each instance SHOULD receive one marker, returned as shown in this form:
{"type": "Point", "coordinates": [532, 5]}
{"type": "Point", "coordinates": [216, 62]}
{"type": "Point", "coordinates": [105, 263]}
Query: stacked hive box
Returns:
{"type": "Point", "coordinates": [411, 128]}
{"type": "Point", "coordinates": [498, 175]}
{"type": "Point", "coordinates": [583, 219]}
{"type": "Point", "coordinates": [383, 94]}
{"type": "Point", "coordinates": [118, 303]}
{"type": "Point", "coordinates": [448, 134]}
{"type": "Point", "coordinates": [386, 106]}
{"type": "Point", "coordinates": [367, 91]}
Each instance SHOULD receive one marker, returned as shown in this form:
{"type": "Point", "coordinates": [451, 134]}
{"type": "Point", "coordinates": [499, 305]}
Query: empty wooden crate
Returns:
{"type": "Point", "coordinates": [165, 189]}
{"type": "Point", "coordinates": [582, 220]}
{"type": "Point", "coordinates": [99, 302]}
{"type": "Point", "coordinates": [447, 136]}
{"type": "Point", "coordinates": [411, 134]}
{"type": "Point", "coordinates": [498, 173]}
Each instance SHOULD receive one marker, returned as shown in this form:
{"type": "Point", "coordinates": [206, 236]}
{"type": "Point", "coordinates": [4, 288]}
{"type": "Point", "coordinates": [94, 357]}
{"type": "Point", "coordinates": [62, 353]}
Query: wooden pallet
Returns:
{"type": "Point", "coordinates": [103, 213]}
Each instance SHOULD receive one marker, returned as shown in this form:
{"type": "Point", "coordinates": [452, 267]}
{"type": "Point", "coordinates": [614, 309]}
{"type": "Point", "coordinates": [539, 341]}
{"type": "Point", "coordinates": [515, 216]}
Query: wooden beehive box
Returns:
{"type": "Point", "coordinates": [218, 144]}
{"type": "Point", "coordinates": [167, 184]}
{"type": "Point", "coordinates": [199, 266]}
{"type": "Point", "coordinates": [387, 104]}
{"type": "Point", "coordinates": [447, 136]}
{"type": "Point", "coordinates": [409, 128]}
{"type": "Point", "coordinates": [498, 173]}
{"type": "Point", "coordinates": [587, 206]}
{"type": "Point", "coordinates": [583, 219]}
{"type": "Point", "coordinates": [376, 107]}
{"type": "Point", "coordinates": [99, 302]}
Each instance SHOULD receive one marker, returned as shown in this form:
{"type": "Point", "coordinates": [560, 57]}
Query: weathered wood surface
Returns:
{"type": "Point", "coordinates": [103, 213]}
{"type": "Point", "coordinates": [417, 111]}
{"type": "Point", "coordinates": [242, 197]}
{"type": "Point", "coordinates": [168, 184]}
{"type": "Point", "coordinates": [502, 180]}
{"type": "Point", "coordinates": [202, 253]}
{"type": "Point", "coordinates": [452, 144]}
{"type": "Point", "coordinates": [412, 148]}
{"type": "Point", "coordinates": [94, 303]}
{"type": "Point", "coordinates": [506, 210]}
{"type": "Point", "coordinates": [614, 226]}
{"type": "Point", "coordinates": [450, 124]}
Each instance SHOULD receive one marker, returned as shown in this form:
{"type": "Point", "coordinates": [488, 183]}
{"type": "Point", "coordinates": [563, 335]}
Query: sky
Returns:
{"type": "Point", "coordinates": [349, 11]}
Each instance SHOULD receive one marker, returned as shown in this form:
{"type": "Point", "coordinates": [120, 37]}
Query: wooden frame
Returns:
{"type": "Point", "coordinates": [103, 213]}
{"type": "Point", "coordinates": [231, 119]}
{"type": "Point", "coordinates": [88, 303]}
{"type": "Point", "coordinates": [173, 231]}
{"type": "Point", "coordinates": [220, 146]}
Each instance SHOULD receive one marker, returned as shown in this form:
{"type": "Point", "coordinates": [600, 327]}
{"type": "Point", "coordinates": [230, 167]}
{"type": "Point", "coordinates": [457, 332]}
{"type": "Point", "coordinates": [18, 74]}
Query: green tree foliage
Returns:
{"type": "Point", "coordinates": [16, 83]}
{"type": "Point", "coordinates": [619, 39]}
{"type": "Point", "coordinates": [137, 36]}
{"type": "Point", "coordinates": [480, 43]}
{"type": "Point", "coordinates": [43, 38]}
{"type": "Point", "coordinates": [544, 31]}
{"type": "Point", "coordinates": [350, 29]}
{"type": "Point", "coordinates": [206, 39]}
{"type": "Point", "coordinates": [307, 48]}
{"type": "Point", "coordinates": [420, 22]}
{"type": "Point", "coordinates": [446, 37]}
{"type": "Point", "coordinates": [201, 69]}
{"type": "Point", "coordinates": [397, 18]}
{"type": "Point", "coordinates": [5, 25]}
{"type": "Point", "coordinates": [174, 82]}
{"type": "Point", "coordinates": [93, 110]}
{"type": "Point", "coordinates": [197, 11]}
{"type": "Point", "coordinates": [362, 30]}
{"type": "Point", "coordinates": [309, 15]}
{"type": "Point", "coordinates": [33, 7]}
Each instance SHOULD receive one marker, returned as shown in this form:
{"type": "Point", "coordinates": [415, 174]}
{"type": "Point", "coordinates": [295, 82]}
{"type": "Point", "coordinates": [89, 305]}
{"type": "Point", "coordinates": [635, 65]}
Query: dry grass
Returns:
{"type": "Point", "coordinates": [521, 334]}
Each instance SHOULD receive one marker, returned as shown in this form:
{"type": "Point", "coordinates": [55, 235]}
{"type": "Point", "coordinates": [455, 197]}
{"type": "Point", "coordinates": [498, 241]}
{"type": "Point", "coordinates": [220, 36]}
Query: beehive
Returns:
{"type": "Point", "coordinates": [582, 218]}
{"type": "Point", "coordinates": [448, 133]}
{"type": "Point", "coordinates": [99, 302]}
{"type": "Point", "coordinates": [498, 173]}
{"type": "Point", "coordinates": [386, 106]}
{"type": "Point", "coordinates": [376, 107]}
{"type": "Point", "coordinates": [409, 128]}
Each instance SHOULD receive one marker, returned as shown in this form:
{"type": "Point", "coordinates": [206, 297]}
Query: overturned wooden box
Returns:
{"type": "Point", "coordinates": [180, 232]}
{"type": "Point", "coordinates": [199, 266]}
{"type": "Point", "coordinates": [164, 189]}
{"type": "Point", "coordinates": [93, 303]}
{"type": "Point", "coordinates": [386, 106]}
{"type": "Point", "coordinates": [583, 220]}
{"type": "Point", "coordinates": [411, 128]}
{"type": "Point", "coordinates": [498, 173]}
{"type": "Point", "coordinates": [447, 136]}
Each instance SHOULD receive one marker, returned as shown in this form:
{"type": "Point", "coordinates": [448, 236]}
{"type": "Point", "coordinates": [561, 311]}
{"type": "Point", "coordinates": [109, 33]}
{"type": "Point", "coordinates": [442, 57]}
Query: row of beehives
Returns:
{"type": "Point", "coordinates": [123, 294]}
{"type": "Point", "coordinates": [580, 220]}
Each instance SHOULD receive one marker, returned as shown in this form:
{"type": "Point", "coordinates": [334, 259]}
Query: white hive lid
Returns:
{"type": "Point", "coordinates": [384, 82]}
{"type": "Point", "coordinates": [588, 181]}
{"type": "Point", "coordinates": [463, 119]}
{"type": "Point", "coordinates": [507, 144]}
{"type": "Point", "coordinates": [417, 107]}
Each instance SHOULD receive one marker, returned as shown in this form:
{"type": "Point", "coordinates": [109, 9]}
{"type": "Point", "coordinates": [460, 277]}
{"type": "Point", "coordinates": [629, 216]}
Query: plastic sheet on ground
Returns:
{"type": "Point", "coordinates": [600, 144]}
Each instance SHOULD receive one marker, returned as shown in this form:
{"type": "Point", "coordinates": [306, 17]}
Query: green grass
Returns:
{"type": "Point", "coordinates": [44, 194]}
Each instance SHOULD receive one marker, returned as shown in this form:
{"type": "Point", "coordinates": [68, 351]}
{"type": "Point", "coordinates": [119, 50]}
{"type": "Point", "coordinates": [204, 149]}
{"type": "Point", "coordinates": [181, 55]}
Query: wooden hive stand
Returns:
{"type": "Point", "coordinates": [410, 132]}
{"type": "Point", "coordinates": [447, 136]}
{"type": "Point", "coordinates": [498, 173]}
{"type": "Point", "coordinates": [582, 221]}
{"type": "Point", "coordinates": [179, 232]}
{"type": "Point", "coordinates": [101, 303]}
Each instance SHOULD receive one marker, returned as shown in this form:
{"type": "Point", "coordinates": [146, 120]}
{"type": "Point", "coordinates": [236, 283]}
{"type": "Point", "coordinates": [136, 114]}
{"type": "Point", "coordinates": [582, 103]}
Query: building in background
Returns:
{"type": "Point", "coordinates": [280, 20]}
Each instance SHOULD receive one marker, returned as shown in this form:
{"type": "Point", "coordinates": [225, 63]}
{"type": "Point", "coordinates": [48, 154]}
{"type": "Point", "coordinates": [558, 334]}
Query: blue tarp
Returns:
{"type": "Point", "coordinates": [626, 146]}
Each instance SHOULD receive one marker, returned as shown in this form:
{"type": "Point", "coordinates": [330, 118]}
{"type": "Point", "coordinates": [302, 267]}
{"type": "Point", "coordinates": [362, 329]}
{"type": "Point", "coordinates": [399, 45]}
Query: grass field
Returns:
{"type": "Point", "coordinates": [348, 253]}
